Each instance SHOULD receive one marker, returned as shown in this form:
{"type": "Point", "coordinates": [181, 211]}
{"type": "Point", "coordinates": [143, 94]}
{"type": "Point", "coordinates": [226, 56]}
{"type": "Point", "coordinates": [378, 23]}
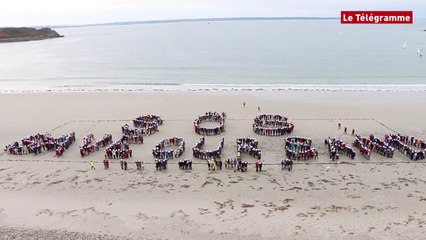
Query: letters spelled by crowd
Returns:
{"type": "Point", "coordinates": [197, 152]}
{"type": "Point", "coordinates": [367, 145]}
{"type": "Point", "coordinates": [130, 135]}
{"type": "Point", "coordinates": [118, 150]}
{"type": "Point", "coordinates": [299, 148]}
{"type": "Point", "coordinates": [336, 147]}
{"type": "Point", "coordinates": [210, 117]}
{"type": "Point", "coordinates": [90, 145]}
{"type": "Point", "coordinates": [272, 125]}
{"type": "Point", "coordinates": [159, 152]}
{"type": "Point", "coordinates": [407, 145]}
{"type": "Point", "coordinates": [249, 146]}
{"type": "Point", "coordinates": [148, 124]}
{"type": "Point", "coordinates": [38, 143]}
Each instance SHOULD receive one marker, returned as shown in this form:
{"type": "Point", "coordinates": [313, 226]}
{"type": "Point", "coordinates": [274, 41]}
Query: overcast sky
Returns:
{"type": "Point", "coordinates": [58, 12]}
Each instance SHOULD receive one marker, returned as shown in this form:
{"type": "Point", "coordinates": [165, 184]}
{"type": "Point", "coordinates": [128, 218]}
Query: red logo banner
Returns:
{"type": "Point", "coordinates": [376, 17]}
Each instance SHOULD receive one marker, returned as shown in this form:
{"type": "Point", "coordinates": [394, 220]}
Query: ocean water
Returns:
{"type": "Point", "coordinates": [221, 56]}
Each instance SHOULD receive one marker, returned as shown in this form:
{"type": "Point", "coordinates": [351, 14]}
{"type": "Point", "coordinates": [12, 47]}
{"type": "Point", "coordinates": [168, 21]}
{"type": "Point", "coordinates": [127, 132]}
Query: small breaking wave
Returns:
{"type": "Point", "coordinates": [171, 87]}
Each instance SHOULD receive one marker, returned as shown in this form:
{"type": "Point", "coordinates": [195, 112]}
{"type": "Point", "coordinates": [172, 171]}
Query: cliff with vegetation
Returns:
{"type": "Point", "coordinates": [26, 34]}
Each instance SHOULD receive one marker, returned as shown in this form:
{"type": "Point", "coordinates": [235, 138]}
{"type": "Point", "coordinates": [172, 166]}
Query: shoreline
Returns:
{"type": "Point", "coordinates": [218, 88]}
{"type": "Point", "coordinates": [27, 39]}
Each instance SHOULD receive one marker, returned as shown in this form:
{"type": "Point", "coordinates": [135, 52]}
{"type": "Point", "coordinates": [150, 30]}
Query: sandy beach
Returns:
{"type": "Point", "coordinates": [44, 197]}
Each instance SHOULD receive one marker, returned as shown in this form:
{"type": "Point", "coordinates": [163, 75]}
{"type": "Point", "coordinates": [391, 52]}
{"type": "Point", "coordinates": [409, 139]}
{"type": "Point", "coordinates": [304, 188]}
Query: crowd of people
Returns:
{"type": "Point", "coordinates": [63, 142]}
{"type": "Point", "coordinates": [139, 164]}
{"type": "Point", "coordinates": [118, 150]}
{"type": "Point", "coordinates": [237, 164]}
{"type": "Point", "coordinates": [210, 117]}
{"type": "Point", "coordinates": [272, 125]}
{"type": "Point", "coordinates": [160, 153]}
{"type": "Point", "coordinates": [407, 145]}
{"type": "Point", "coordinates": [132, 136]}
{"type": "Point", "coordinates": [160, 164]}
{"type": "Point", "coordinates": [364, 145]}
{"type": "Point", "coordinates": [214, 164]}
{"type": "Point", "coordinates": [336, 147]}
{"type": "Point", "coordinates": [381, 147]}
{"type": "Point", "coordinates": [367, 145]}
{"type": "Point", "coordinates": [185, 164]}
{"type": "Point", "coordinates": [149, 123]}
{"type": "Point", "coordinates": [197, 152]}
{"type": "Point", "coordinates": [38, 143]}
{"type": "Point", "coordinates": [123, 163]}
{"type": "Point", "coordinates": [89, 145]}
{"type": "Point", "coordinates": [249, 146]}
{"type": "Point", "coordinates": [299, 148]}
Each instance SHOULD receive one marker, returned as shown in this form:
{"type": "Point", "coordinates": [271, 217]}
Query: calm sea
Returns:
{"type": "Point", "coordinates": [235, 55]}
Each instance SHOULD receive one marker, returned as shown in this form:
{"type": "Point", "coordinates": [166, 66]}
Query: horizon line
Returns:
{"type": "Point", "coordinates": [186, 20]}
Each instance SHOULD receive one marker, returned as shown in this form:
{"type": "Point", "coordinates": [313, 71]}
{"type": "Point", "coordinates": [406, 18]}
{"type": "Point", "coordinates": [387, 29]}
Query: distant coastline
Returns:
{"type": "Point", "coordinates": [26, 34]}
{"type": "Point", "coordinates": [189, 20]}
{"type": "Point", "coordinates": [199, 20]}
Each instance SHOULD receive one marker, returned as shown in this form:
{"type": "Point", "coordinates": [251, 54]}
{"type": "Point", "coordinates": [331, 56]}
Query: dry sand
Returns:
{"type": "Point", "coordinates": [43, 197]}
